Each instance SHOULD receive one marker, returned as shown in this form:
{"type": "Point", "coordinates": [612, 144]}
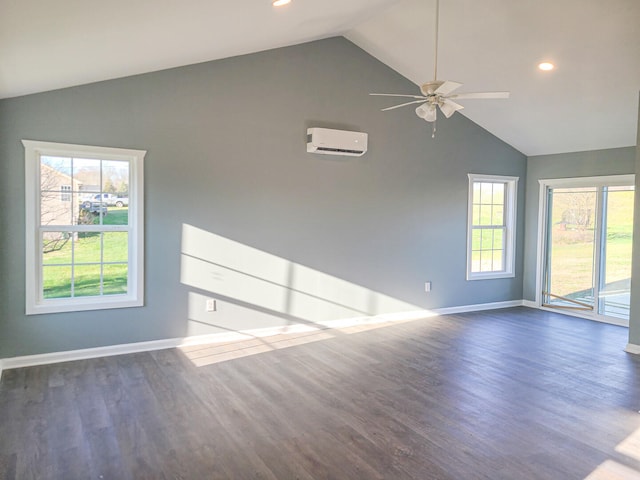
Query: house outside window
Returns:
{"type": "Point", "coordinates": [65, 193]}
{"type": "Point", "coordinates": [80, 255]}
{"type": "Point", "coordinates": [491, 226]}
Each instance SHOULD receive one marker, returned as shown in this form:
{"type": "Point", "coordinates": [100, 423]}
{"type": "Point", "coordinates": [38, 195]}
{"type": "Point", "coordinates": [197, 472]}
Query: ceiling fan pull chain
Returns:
{"type": "Point", "coordinates": [433, 134]}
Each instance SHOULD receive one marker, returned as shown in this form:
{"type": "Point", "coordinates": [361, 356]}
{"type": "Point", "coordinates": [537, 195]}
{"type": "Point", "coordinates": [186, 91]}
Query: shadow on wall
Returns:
{"type": "Point", "coordinates": [266, 294]}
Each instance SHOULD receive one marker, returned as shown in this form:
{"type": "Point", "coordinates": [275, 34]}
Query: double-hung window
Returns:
{"type": "Point", "coordinates": [491, 226]}
{"type": "Point", "coordinates": [81, 253]}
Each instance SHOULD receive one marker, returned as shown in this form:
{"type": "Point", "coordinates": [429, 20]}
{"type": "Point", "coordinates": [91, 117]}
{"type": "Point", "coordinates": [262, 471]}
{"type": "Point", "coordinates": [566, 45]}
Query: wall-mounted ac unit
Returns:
{"type": "Point", "coordinates": [336, 142]}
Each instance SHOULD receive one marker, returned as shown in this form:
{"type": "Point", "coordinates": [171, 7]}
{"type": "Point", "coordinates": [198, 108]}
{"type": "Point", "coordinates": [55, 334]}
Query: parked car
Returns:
{"type": "Point", "coordinates": [94, 207]}
{"type": "Point", "coordinates": [111, 199]}
{"type": "Point", "coordinates": [122, 201]}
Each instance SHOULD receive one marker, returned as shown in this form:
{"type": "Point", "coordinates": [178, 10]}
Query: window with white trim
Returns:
{"type": "Point", "coordinates": [491, 226]}
{"type": "Point", "coordinates": [82, 254]}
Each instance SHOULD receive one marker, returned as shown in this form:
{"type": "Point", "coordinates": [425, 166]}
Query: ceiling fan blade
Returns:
{"type": "Point", "coordinates": [403, 105]}
{"type": "Point", "coordinates": [447, 87]}
{"type": "Point", "coordinates": [449, 107]}
{"type": "Point", "coordinates": [479, 95]}
{"type": "Point", "coordinates": [398, 95]}
{"type": "Point", "coordinates": [427, 112]}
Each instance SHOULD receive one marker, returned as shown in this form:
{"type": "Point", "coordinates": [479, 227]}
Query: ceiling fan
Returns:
{"type": "Point", "coordinates": [438, 93]}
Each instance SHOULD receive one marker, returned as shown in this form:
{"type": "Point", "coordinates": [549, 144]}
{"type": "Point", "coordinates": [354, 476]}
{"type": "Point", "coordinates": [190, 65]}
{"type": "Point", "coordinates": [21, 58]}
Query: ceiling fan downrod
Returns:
{"type": "Point", "coordinates": [435, 68]}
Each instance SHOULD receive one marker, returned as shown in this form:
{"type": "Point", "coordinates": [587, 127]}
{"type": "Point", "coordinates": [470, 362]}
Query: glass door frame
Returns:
{"type": "Point", "coordinates": [577, 182]}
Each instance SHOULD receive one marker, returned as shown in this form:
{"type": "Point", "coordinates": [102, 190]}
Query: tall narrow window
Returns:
{"type": "Point", "coordinates": [81, 254]}
{"type": "Point", "coordinates": [491, 227]}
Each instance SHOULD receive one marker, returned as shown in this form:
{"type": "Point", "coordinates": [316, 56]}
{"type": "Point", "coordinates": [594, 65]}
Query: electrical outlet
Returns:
{"type": "Point", "coordinates": [427, 286]}
{"type": "Point", "coordinates": [211, 305]}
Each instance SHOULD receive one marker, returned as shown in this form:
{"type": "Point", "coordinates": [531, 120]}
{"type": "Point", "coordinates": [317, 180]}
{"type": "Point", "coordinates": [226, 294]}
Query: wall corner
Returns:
{"type": "Point", "coordinates": [634, 314]}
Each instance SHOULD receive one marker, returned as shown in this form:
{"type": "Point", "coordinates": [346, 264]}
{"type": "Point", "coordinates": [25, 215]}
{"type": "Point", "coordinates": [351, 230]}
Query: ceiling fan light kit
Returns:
{"type": "Point", "coordinates": [426, 112]}
{"type": "Point", "coordinates": [439, 94]}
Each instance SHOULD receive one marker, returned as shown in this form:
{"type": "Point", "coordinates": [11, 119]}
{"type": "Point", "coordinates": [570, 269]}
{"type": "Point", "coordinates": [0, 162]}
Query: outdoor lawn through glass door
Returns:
{"type": "Point", "coordinates": [587, 265]}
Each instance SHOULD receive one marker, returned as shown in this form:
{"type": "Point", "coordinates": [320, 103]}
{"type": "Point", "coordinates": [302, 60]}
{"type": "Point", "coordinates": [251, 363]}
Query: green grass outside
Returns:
{"type": "Point", "coordinates": [572, 263]}
{"type": "Point", "coordinates": [57, 280]}
{"type": "Point", "coordinates": [572, 255]}
{"type": "Point", "coordinates": [87, 251]}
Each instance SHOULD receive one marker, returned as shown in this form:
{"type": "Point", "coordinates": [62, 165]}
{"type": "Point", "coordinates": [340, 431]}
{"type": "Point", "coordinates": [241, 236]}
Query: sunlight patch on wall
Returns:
{"type": "Point", "coordinates": [227, 268]}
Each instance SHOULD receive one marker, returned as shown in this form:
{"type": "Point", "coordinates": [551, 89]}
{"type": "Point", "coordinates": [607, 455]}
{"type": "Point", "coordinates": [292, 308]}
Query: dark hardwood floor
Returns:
{"type": "Point", "coordinates": [506, 394]}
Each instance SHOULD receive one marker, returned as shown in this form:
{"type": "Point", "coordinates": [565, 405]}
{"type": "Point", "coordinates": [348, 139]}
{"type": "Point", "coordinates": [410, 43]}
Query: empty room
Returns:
{"type": "Point", "coordinates": [319, 240]}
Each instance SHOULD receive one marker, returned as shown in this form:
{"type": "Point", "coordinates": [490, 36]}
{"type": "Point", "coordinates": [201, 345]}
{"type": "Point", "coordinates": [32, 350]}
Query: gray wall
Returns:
{"type": "Point", "coordinates": [617, 161]}
{"type": "Point", "coordinates": [634, 320]}
{"type": "Point", "coordinates": [227, 169]}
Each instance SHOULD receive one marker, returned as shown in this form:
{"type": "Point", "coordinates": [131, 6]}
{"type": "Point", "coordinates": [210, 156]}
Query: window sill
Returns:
{"type": "Point", "coordinates": [489, 276]}
{"type": "Point", "coordinates": [83, 304]}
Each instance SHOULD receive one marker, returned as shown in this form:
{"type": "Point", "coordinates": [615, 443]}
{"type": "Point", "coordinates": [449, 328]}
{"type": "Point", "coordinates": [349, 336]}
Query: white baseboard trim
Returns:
{"type": "Point", "coordinates": [632, 348]}
{"type": "Point", "coordinates": [478, 307]}
{"type": "Point", "coordinates": [71, 355]}
{"type": "Point", "coordinates": [107, 351]}
{"type": "Point", "coordinates": [530, 304]}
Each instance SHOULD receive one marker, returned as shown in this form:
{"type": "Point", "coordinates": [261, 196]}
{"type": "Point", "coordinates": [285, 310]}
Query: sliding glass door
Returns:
{"type": "Point", "coordinates": [570, 248]}
{"type": "Point", "coordinates": [587, 236]}
{"type": "Point", "coordinates": [615, 262]}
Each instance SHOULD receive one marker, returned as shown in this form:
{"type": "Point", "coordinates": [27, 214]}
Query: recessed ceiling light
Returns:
{"type": "Point", "coordinates": [279, 3]}
{"type": "Point", "coordinates": [546, 66]}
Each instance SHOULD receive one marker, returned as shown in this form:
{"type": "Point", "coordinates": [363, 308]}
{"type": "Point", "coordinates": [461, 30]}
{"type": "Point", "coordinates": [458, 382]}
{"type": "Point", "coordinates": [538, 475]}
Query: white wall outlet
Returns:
{"type": "Point", "coordinates": [211, 305]}
{"type": "Point", "coordinates": [427, 286]}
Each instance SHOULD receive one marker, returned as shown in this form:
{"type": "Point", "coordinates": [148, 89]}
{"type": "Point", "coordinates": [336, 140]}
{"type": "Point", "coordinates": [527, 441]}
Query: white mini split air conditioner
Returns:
{"type": "Point", "coordinates": [336, 142]}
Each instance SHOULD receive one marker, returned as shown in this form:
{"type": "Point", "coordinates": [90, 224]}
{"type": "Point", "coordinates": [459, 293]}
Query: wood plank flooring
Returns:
{"type": "Point", "coordinates": [506, 394]}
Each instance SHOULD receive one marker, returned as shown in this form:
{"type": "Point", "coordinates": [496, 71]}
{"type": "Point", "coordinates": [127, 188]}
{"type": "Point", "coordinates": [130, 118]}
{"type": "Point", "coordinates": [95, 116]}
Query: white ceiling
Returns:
{"type": "Point", "coordinates": [589, 102]}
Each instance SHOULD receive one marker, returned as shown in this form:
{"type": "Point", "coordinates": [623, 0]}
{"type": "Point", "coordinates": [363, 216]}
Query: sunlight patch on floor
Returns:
{"type": "Point", "coordinates": [611, 470]}
{"type": "Point", "coordinates": [211, 353]}
{"type": "Point", "coordinates": [630, 446]}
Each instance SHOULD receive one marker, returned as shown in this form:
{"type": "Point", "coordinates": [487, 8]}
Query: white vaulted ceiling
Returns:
{"type": "Point", "coordinates": [590, 101]}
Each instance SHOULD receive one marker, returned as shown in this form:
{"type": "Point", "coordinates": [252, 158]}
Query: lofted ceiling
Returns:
{"type": "Point", "coordinates": [589, 102]}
